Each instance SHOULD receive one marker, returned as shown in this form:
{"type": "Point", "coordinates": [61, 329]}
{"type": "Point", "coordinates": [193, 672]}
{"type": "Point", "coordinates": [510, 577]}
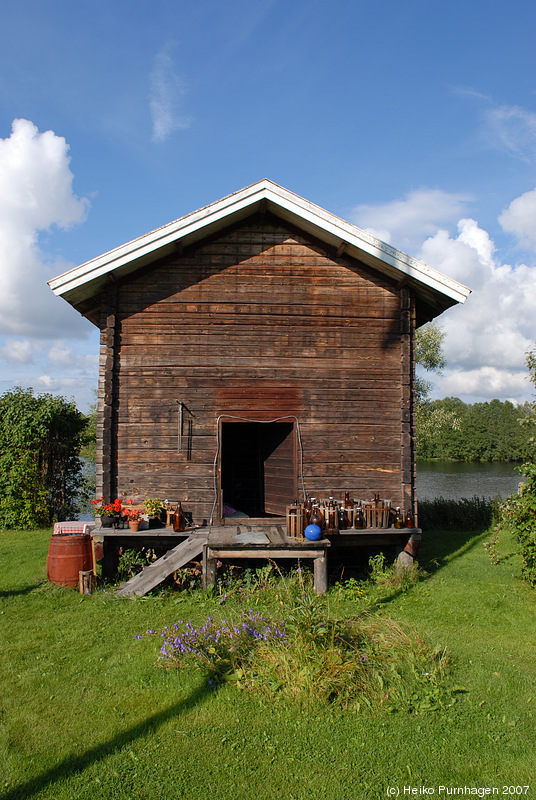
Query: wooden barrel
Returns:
{"type": "Point", "coordinates": [67, 555]}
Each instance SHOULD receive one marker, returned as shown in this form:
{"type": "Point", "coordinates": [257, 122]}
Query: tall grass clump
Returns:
{"type": "Point", "coordinates": [466, 514]}
{"type": "Point", "coordinates": [307, 654]}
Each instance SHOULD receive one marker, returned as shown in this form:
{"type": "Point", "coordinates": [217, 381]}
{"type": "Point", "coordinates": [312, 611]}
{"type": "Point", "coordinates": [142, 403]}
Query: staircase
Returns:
{"type": "Point", "coordinates": [154, 574]}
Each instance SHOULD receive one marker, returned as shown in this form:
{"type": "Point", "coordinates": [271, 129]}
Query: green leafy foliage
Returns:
{"type": "Point", "coordinates": [518, 512]}
{"type": "Point", "coordinates": [429, 355]}
{"type": "Point", "coordinates": [40, 439]}
{"type": "Point", "coordinates": [88, 455]}
{"type": "Point", "coordinates": [132, 561]}
{"type": "Point", "coordinates": [88, 448]}
{"type": "Point", "coordinates": [451, 429]}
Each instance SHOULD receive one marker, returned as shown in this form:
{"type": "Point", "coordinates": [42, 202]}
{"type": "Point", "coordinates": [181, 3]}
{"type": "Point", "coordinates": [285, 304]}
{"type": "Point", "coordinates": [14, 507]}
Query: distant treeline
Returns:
{"type": "Point", "coordinates": [452, 429]}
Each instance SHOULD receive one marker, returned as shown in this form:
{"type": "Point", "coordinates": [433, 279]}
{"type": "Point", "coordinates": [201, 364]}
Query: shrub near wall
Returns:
{"type": "Point", "coordinates": [40, 439]}
{"type": "Point", "coordinates": [518, 514]}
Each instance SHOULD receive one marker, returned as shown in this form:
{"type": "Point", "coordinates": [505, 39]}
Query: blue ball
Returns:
{"type": "Point", "coordinates": [313, 533]}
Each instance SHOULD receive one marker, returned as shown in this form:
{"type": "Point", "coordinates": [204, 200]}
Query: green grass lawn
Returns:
{"type": "Point", "coordinates": [85, 711]}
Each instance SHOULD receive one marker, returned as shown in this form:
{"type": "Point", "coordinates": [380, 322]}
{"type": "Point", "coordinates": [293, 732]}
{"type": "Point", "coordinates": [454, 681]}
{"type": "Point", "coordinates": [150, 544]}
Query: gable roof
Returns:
{"type": "Point", "coordinates": [437, 291]}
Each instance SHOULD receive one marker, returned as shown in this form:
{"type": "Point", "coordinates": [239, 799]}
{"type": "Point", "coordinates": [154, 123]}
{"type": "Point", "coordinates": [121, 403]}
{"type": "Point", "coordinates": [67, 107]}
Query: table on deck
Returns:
{"type": "Point", "coordinates": [262, 541]}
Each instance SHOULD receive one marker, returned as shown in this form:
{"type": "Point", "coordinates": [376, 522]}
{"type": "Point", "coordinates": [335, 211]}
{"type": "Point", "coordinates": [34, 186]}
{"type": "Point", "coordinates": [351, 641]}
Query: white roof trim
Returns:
{"type": "Point", "coordinates": [359, 242]}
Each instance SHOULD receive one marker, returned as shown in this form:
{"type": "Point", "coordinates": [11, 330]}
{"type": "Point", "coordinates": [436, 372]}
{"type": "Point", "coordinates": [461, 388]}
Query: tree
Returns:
{"type": "Point", "coordinates": [88, 456]}
{"type": "Point", "coordinates": [428, 418]}
{"type": "Point", "coordinates": [439, 427]}
{"type": "Point", "coordinates": [429, 355]}
{"type": "Point", "coordinates": [89, 439]}
{"type": "Point", "coordinates": [40, 439]}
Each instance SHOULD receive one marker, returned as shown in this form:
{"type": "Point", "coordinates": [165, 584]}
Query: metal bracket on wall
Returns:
{"type": "Point", "coordinates": [183, 408]}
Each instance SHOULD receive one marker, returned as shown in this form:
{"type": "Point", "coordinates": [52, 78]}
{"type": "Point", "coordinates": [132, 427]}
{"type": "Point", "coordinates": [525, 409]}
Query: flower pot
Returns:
{"type": "Point", "coordinates": [134, 525]}
{"type": "Point", "coordinates": [107, 522]}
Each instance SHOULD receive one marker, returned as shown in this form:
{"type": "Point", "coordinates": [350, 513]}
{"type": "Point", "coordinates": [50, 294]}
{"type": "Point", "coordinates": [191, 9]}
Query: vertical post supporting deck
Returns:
{"type": "Point", "coordinates": [320, 567]}
{"type": "Point", "coordinates": [209, 568]}
{"type": "Point", "coordinates": [406, 556]}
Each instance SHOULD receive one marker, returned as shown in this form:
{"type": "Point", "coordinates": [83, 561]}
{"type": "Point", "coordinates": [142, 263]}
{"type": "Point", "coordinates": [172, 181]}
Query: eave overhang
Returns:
{"type": "Point", "coordinates": [436, 291]}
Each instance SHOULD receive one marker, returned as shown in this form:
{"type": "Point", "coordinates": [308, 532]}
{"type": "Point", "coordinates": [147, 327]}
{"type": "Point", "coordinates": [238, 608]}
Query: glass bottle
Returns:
{"type": "Point", "coordinates": [179, 519]}
{"type": "Point", "coordinates": [317, 518]}
{"type": "Point", "coordinates": [307, 511]}
{"type": "Point", "coordinates": [410, 520]}
{"type": "Point", "coordinates": [331, 521]}
{"type": "Point", "coordinates": [399, 519]}
{"type": "Point", "coordinates": [359, 518]}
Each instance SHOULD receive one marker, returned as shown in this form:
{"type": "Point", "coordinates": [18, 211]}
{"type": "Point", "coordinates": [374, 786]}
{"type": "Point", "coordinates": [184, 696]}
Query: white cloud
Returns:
{"type": "Point", "coordinates": [483, 384]}
{"type": "Point", "coordinates": [164, 103]}
{"type": "Point", "coordinates": [511, 129]}
{"type": "Point", "coordinates": [407, 221]}
{"type": "Point", "coordinates": [61, 354]}
{"type": "Point", "coordinates": [35, 194]}
{"type": "Point", "coordinates": [486, 338]}
{"type": "Point", "coordinates": [514, 129]}
{"type": "Point", "coordinates": [519, 218]}
{"type": "Point", "coordinates": [62, 368]}
{"type": "Point", "coordinates": [17, 351]}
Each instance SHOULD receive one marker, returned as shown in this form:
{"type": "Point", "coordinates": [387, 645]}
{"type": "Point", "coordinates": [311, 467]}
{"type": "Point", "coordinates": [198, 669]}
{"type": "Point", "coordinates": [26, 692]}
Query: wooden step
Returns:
{"type": "Point", "coordinates": [154, 574]}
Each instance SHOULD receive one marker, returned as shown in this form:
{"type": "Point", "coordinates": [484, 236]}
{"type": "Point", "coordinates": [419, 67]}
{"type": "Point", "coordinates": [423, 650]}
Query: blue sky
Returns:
{"type": "Point", "coordinates": [414, 120]}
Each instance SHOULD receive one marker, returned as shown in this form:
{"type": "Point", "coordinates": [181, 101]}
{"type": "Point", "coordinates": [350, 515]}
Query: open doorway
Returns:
{"type": "Point", "coordinates": [258, 467]}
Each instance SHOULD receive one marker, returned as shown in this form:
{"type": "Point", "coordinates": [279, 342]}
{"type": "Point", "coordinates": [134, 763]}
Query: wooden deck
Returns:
{"type": "Point", "coordinates": [240, 541]}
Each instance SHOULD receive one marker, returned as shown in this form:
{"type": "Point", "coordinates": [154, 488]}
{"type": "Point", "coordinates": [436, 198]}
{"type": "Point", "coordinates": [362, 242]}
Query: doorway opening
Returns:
{"type": "Point", "coordinates": [258, 468]}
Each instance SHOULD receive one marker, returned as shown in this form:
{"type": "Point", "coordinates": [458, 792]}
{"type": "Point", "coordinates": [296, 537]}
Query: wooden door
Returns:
{"type": "Point", "coordinates": [279, 456]}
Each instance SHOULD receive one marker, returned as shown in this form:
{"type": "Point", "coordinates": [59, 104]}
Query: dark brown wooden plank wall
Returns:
{"type": "Point", "coordinates": [261, 323]}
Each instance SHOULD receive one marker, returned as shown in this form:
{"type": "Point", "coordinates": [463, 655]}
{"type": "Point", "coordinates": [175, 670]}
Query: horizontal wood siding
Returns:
{"type": "Point", "coordinates": [261, 322]}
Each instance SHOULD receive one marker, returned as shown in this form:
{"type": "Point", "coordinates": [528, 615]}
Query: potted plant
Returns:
{"type": "Point", "coordinates": [109, 513]}
{"type": "Point", "coordinates": [134, 518]}
{"type": "Point", "coordinates": [155, 508]}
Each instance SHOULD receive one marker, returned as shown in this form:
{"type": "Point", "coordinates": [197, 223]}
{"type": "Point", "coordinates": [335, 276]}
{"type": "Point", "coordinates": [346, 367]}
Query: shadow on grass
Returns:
{"type": "Point", "coordinates": [72, 766]}
{"type": "Point", "coordinates": [439, 548]}
{"type": "Point", "coordinates": [19, 592]}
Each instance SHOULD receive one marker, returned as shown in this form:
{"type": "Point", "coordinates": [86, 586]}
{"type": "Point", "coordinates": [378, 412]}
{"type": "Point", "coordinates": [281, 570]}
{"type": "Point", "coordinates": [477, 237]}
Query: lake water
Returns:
{"type": "Point", "coordinates": [454, 480]}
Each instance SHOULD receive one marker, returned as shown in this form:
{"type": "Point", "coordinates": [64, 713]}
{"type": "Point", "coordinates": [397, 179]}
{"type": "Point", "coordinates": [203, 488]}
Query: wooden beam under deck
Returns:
{"type": "Point", "coordinates": [265, 541]}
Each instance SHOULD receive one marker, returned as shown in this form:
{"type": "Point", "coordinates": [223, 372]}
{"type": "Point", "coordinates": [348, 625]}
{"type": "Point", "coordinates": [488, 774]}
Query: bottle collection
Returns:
{"type": "Point", "coordinates": [348, 514]}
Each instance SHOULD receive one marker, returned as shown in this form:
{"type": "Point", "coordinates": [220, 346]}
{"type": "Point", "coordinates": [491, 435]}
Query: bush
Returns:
{"type": "Point", "coordinates": [518, 514]}
{"type": "Point", "coordinates": [40, 471]}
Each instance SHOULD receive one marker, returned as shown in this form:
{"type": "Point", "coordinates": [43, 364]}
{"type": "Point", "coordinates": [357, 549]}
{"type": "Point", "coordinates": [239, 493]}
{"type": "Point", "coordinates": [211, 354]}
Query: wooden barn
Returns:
{"type": "Point", "coordinates": [255, 351]}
